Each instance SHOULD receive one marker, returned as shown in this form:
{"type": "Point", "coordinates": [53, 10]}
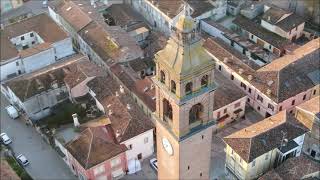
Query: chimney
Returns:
{"type": "Point", "coordinates": [269, 92]}
{"type": "Point", "coordinates": [269, 18]}
{"type": "Point", "coordinates": [110, 112]}
{"type": "Point", "coordinates": [2, 26]}
{"type": "Point", "coordinates": [117, 94]}
{"type": "Point", "coordinates": [128, 106]}
{"type": "Point", "coordinates": [225, 60]}
{"type": "Point", "coordinates": [75, 120]}
{"type": "Point", "coordinates": [252, 6]}
{"type": "Point", "coordinates": [240, 71]}
{"type": "Point", "coordinates": [121, 89]}
{"type": "Point", "coordinates": [250, 77]}
{"type": "Point", "coordinates": [117, 133]}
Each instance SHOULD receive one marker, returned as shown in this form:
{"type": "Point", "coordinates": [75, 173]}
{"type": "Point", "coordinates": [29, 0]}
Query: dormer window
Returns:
{"type": "Point", "coordinates": [204, 81]}
{"type": "Point", "coordinates": [162, 77]}
{"type": "Point", "coordinates": [188, 88]}
{"type": "Point", "coordinates": [22, 38]}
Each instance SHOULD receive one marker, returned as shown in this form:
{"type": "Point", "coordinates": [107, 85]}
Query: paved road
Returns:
{"type": "Point", "coordinates": [45, 163]}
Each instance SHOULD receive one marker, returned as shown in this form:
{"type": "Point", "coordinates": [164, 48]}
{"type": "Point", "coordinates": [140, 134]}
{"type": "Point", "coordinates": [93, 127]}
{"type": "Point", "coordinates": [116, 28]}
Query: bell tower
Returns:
{"type": "Point", "coordinates": [184, 92]}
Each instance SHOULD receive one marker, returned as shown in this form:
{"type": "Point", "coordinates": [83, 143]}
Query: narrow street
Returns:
{"type": "Point", "coordinates": [45, 163]}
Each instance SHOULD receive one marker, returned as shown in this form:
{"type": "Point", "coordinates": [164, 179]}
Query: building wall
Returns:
{"type": "Point", "coordinates": [311, 145]}
{"type": "Point", "coordinates": [141, 144]}
{"type": "Point", "coordinates": [168, 165]}
{"type": "Point", "coordinates": [39, 106]}
{"type": "Point", "coordinates": [213, 31]}
{"type": "Point", "coordinates": [10, 68]}
{"type": "Point", "coordinates": [39, 60]}
{"type": "Point", "coordinates": [265, 44]}
{"type": "Point", "coordinates": [195, 162]}
{"type": "Point", "coordinates": [230, 108]}
{"type": "Point", "coordinates": [297, 32]}
{"type": "Point", "coordinates": [254, 169]}
{"type": "Point", "coordinates": [164, 22]}
{"type": "Point", "coordinates": [89, 174]}
{"type": "Point", "coordinates": [63, 48]}
{"type": "Point", "coordinates": [263, 107]}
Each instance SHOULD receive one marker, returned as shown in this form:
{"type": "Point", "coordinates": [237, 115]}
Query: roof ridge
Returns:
{"type": "Point", "coordinates": [249, 149]}
{"type": "Point", "coordinates": [25, 94]}
{"type": "Point", "coordinates": [89, 151]}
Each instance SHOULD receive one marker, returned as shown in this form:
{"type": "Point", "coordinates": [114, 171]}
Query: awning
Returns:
{"type": "Point", "coordinates": [223, 118]}
{"type": "Point", "coordinates": [237, 111]}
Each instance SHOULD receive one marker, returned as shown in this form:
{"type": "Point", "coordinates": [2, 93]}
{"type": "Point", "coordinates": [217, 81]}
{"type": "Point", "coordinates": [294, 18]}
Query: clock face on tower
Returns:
{"type": "Point", "coordinates": [167, 146]}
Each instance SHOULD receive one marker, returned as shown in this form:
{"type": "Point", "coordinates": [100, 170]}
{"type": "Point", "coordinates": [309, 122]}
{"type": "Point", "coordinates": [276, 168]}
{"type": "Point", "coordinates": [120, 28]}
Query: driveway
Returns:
{"type": "Point", "coordinates": [218, 156]}
{"type": "Point", "coordinates": [45, 163]}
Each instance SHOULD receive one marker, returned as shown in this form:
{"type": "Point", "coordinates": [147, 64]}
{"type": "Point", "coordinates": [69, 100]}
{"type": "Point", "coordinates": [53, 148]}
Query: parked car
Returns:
{"type": "Point", "coordinates": [22, 160]}
{"type": "Point", "coordinates": [12, 112]}
{"type": "Point", "coordinates": [5, 139]}
{"type": "Point", "coordinates": [154, 163]}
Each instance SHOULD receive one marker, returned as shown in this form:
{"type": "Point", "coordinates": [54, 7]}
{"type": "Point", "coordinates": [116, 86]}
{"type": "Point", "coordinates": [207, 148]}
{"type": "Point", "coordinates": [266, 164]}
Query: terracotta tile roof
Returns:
{"type": "Point", "coordinates": [42, 24]}
{"type": "Point", "coordinates": [156, 41]}
{"type": "Point", "coordinates": [226, 92]}
{"type": "Point", "coordinates": [256, 29]}
{"type": "Point", "coordinates": [173, 7]}
{"type": "Point", "coordinates": [276, 18]}
{"type": "Point", "coordinates": [101, 42]}
{"type": "Point", "coordinates": [293, 168]}
{"type": "Point", "coordinates": [126, 17]}
{"type": "Point", "coordinates": [82, 70]}
{"type": "Point", "coordinates": [126, 122]}
{"type": "Point", "coordinates": [127, 48]}
{"type": "Point", "coordinates": [283, 77]}
{"type": "Point", "coordinates": [312, 105]}
{"type": "Point", "coordinates": [34, 50]}
{"type": "Point", "coordinates": [28, 85]}
{"type": "Point", "coordinates": [136, 85]}
{"type": "Point", "coordinates": [299, 53]}
{"type": "Point", "coordinates": [274, 14]}
{"type": "Point", "coordinates": [93, 146]}
{"type": "Point", "coordinates": [141, 64]}
{"type": "Point", "coordinates": [72, 14]}
{"type": "Point", "coordinates": [7, 173]}
{"type": "Point", "coordinates": [261, 137]}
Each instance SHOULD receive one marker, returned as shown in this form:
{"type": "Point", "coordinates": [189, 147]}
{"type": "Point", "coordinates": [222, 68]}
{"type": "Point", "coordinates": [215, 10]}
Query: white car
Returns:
{"type": "Point", "coordinates": [154, 163]}
{"type": "Point", "coordinates": [22, 160]}
{"type": "Point", "coordinates": [5, 138]}
{"type": "Point", "coordinates": [12, 112]}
